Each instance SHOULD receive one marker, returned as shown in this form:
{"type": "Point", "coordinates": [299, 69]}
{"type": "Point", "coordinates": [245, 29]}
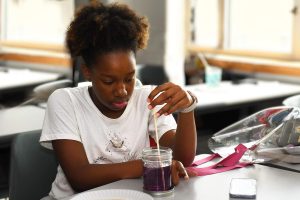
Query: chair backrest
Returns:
{"type": "Point", "coordinates": [4, 168]}
{"type": "Point", "coordinates": [152, 75]}
{"type": "Point", "coordinates": [32, 168]}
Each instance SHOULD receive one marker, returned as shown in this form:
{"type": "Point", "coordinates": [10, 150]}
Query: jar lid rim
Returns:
{"type": "Point", "coordinates": [153, 152]}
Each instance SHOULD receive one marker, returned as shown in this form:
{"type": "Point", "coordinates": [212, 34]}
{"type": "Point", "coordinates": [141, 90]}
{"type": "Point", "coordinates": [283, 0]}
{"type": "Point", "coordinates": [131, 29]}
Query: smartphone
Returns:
{"type": "Point", "coordinates": [242, 188]}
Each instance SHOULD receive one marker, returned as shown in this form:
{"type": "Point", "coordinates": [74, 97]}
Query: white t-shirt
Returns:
{"type": "Point", "coordinates": [71, 114]}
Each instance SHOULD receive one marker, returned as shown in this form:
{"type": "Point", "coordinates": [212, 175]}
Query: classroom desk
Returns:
{"type": "Point", "coordinates": [20, 119]}
{"type": "Point", "coordinates": [14, 79]}
{"type": "Point", "coordinates": [272, 184]}
{"type": "Point", "coordinates": [228, 94]}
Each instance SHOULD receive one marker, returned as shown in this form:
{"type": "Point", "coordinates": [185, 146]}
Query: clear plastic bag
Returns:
{"type": "Point", "coordinates": [271, 135]}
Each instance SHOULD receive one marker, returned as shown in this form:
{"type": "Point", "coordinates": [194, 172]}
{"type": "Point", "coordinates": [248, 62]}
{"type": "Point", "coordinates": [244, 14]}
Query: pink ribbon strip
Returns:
{"type": "Point", "coordinates": [226, 164]}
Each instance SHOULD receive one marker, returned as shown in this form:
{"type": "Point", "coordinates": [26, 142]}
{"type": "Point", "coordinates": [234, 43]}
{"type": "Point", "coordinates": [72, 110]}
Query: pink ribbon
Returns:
{"type": "Point", "coordinates": [228, 163]}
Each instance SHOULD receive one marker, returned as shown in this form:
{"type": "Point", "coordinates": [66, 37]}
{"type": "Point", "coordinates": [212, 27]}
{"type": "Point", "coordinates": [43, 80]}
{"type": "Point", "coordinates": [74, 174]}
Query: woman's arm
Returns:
{"type": "Point", "coordinates": [184, 141]}
{"type": "Point", "coordinates": [82, 175]}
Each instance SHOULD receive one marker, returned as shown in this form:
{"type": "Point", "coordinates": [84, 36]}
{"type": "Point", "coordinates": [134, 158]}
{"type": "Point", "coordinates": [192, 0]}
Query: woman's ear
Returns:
{"type": "Point", "coordinates": [86, 72]}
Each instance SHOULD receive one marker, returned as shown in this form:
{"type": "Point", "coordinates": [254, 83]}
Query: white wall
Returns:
{"type": "Point", "coordinates": [155, 10]}
{"type": "Point", "coordinates": [166, 43]}
{"type": "Point", "coordinates": [174, 41]}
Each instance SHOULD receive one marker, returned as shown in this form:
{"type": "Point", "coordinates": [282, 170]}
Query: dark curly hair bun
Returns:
{"type": "Point", "coordinates": [99, 29]}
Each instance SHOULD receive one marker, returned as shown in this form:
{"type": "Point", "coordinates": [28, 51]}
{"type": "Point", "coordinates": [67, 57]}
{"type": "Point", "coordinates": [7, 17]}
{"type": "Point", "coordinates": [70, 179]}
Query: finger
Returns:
{"type": "Point", "coordinates": [165, 110]}
{"type": "Point", "coordinates": [170, 108]}
{"type": "Point", "coordinates": [167, 89]}
{"type": "Point", "coordinates": [175, 107]}
{"type": "Point", "coordinates": [157, 90]}
{"type": "Point", "coordinates": [153, 93]}
{"type": "Point", "coordinates": [172, 102]}
{"type": "Point", "coordinates": [191, 173]}
{"type": "Point", "coordinates": [174, 173]}
{"type": "Point", "coordinates": [163, 98]}
{"type": "Point", "coordinates": [183, 171]}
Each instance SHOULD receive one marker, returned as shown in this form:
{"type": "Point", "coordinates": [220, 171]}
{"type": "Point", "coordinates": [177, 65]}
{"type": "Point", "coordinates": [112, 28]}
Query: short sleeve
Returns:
{"type": "Point", "coordinates": [60, 120]}
{"type": "Point", "coordinates": [164, 124]}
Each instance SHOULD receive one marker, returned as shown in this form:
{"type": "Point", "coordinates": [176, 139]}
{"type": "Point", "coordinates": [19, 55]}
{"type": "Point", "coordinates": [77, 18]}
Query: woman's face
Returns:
{"type": "Point", "coordinates": [113, 80]}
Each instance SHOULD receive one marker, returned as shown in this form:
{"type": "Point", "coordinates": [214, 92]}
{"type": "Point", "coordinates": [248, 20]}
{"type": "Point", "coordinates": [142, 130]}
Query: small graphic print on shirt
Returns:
{"type": "Point", "coordinates": [116, 143]}
{"type": "Point", "coordinates": [132, 156]}
{"type": "Point", "coordinates": [100, 159]}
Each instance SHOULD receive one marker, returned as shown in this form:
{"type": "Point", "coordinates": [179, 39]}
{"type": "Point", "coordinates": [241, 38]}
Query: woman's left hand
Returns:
{"type": "Point", "coordinates": [179, 171]}
{"type": "Point", "coordinates": [172, 95]}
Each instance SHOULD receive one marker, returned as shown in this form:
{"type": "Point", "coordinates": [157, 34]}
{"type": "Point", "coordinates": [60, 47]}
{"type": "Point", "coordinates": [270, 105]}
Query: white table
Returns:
{"type": "Point", "coordinates": [228, 94]}
{"type": "Point", "coordinates": [20, 119]}
{"type": "Point", "coordinates": [11, 78]}
{"type": "Point", "coordinates": [272, 184]}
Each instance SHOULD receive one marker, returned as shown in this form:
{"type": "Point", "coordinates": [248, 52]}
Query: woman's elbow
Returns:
{"type": "Point", "coordinates": [188, 161]}
{"type": "Point", "coordinates": [78, 185]}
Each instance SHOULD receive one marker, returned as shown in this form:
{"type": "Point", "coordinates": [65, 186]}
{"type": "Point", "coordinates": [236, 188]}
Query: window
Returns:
{"type": "Point", "coordinates": [261, 25]}
{"type": "Point", "coordinates": [206, 23]}
{"type": "Point", "coordinates": [263, 28]}
{"type": "Point", "coordinates": [29, 21]}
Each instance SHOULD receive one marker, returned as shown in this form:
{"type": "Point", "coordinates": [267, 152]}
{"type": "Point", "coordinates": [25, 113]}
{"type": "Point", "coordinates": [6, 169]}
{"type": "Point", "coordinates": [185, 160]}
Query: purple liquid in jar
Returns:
{"type": "Point", "coordinates": [157, 179]}
{"type": "Point", "coordinates": [157, 171]}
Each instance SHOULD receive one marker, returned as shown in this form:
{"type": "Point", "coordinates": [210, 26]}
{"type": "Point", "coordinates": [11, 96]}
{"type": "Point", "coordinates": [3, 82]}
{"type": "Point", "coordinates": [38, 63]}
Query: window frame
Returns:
{"type": "Point", "coordinates": [223, 16]}
{"type": "Point", "coordinates": [28, 51]}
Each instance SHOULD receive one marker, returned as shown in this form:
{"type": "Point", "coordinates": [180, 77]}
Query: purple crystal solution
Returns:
{"type": "Point", "coordinates": [157, 171]}
{"type": "Point", "coordinates": [157, 179]}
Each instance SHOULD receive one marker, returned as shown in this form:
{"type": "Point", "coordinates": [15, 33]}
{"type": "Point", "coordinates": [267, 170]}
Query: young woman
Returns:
{"type": "Point", "coordinates": [99, 131]}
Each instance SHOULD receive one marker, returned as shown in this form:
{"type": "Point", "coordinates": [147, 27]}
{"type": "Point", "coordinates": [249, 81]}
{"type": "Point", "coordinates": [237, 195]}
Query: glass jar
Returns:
{"type": "Point", "coordinates": [157, 171]}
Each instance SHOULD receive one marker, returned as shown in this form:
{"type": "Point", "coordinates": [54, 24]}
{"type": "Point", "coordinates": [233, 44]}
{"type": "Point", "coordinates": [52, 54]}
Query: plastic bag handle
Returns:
{"type": "Point", "coordinates": [228, 163]}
